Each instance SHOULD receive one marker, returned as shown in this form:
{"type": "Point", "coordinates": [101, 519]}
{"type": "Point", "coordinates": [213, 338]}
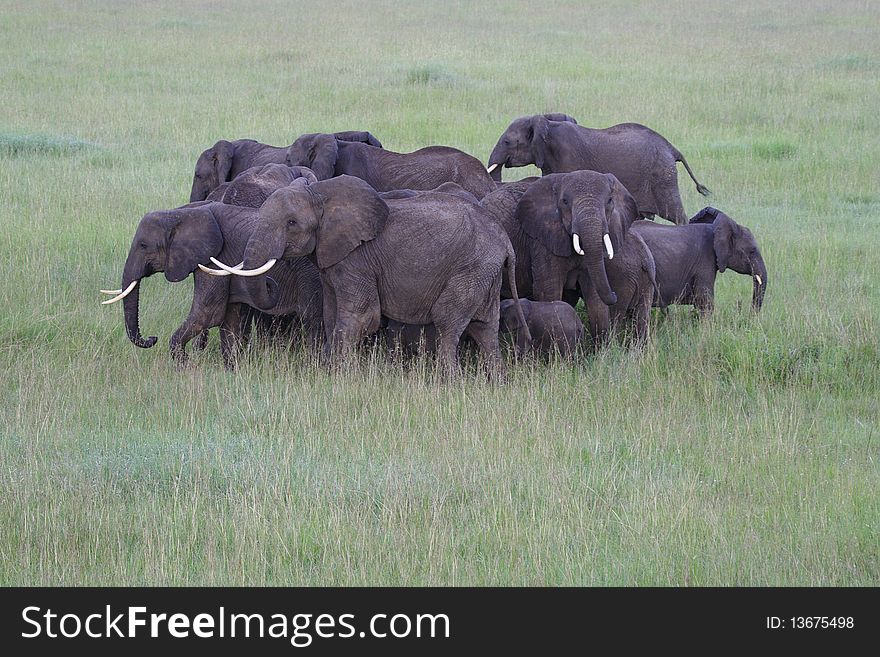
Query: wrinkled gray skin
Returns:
{"type": "Point", "coordinates": [429, 258]}
{"type": "Point", "coordinates": [177, 241]}
{"type": "Point", "coordinates": [643, 160]}
{"type": "Point", "coordinates": [554, 326]}
{"type": "Point", "coordinates": [689, 257]}
{"type": "Point", "coordinates": [541, 217]}
{"type": "Point", "coordinates": [384, 170]}
{"type": "Point", "coordinates": [253, 186]}
{"type": "Point", "coordinates": [226, 159]}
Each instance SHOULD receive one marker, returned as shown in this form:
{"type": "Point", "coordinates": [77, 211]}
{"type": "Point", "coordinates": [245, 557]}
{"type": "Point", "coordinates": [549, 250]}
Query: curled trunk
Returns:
{"type": "Point", "coordinates": [263, 290]}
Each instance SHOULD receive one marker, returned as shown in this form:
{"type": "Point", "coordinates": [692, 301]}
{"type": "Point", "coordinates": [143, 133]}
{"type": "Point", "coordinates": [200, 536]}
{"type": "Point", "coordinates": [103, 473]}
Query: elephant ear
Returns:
{"type": "Point", "coordinates": [558, 116]}
{"type": "Point", "coordinates": [726, 232]}
{"type": "Point", "coordinates": [705, 216]}
{"type": "Point", "coordinates": [358, 135]}
{"type": "Point", "coordinates": [193, 237]}
{"type": "Point", "coordinates": [624, 210]}
{"type": "Point", "coordinates": [222, 156]}
{"type": "Point", "coordinates": [352, 214]}
{"type": "Point", "coordinates": [538, 215]}
{"type": "Point", "coordinates": [322, 157]}
{"type": "Point", "coordinates": [539, 131]}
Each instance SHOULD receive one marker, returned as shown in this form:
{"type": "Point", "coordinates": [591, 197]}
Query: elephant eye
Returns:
{"type": "Point", "coordinates": [507, 142]}
{"type": "Point", "coordinates": [142, 245]}
{"type": "Point", "coordinates": [291, 222]}
{"type": "Point", "coordinates": [565, 200]}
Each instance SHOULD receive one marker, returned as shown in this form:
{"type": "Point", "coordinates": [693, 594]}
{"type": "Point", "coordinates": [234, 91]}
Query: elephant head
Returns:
{"type": "Point", "coordinates": [736, 248]}
{"type": "Point", "coordinates": [524, 142]}
{"type": "Point", "coordinates": [579, 215]}
{"type": "Point", "coordinates": [170, 241]}
{"type": "Point", "coordinates": [212, 170]}
{"type": "Point", "coordinates": [318, 151]}
{"type": "Point", "coordinates": [329, 219]}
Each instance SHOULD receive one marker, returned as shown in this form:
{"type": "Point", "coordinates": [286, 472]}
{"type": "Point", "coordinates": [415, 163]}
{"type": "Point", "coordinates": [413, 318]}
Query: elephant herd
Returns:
{"type": "Point", "coordinates": [338, 239]}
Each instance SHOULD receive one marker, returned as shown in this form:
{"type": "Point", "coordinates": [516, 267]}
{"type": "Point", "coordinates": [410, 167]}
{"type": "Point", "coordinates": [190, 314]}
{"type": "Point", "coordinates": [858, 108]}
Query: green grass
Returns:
{"type": "Point", "coordinates": [739, 450]}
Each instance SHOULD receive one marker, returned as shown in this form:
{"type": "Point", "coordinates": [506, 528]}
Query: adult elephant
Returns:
{"type": "Point", "coordinates": [226, 159]}
{"type": "Point", "coordinates": [384, 170]}
{"type": "Point", "coordinates": [572, 231]}
{"type": "Point", "coordinates": [253, 186]}
{"type": "Point", "coordinates": [423, 258]}
{"type": "Point", "coordinates": [643, 160]}
{"type": "Point", "coordinates": [690, 257]}
{"type": "Point", "coordinates": [178, 242]}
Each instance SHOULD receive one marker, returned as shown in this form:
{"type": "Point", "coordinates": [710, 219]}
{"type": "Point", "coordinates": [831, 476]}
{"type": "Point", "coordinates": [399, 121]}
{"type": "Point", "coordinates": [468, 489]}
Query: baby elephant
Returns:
{"type": "Point", "coordinates": [689, 257]}
{"type": "Point", "coordinates": [554, 326]}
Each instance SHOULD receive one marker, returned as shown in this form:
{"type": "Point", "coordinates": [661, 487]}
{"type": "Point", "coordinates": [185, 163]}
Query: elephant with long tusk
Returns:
{"type": "Point", "coordinates": [571, 233]}
{"type": "Point", "coordinates": [185, 240]}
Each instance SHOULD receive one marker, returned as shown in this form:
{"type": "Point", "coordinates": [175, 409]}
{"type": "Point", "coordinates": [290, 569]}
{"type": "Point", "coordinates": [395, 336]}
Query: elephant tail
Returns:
{"type": "Point", "coordinates": [700, 187]}
{"type": "Point", "coordinates": [510, 263]}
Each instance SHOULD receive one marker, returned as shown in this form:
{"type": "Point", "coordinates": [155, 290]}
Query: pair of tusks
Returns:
{"type": "Point", "coordinates": [576, 243]}
{"type": "Point", "coordinates": [225, 270]}
{"type": "Point", "coordinates": [120, 293]}
{"type": "Point", "coordinates": [492, 168]}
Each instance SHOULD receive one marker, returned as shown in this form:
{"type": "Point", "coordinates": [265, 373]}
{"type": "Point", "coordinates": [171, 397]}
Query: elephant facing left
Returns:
{"type": "Point", "coordinates": [176, 242]}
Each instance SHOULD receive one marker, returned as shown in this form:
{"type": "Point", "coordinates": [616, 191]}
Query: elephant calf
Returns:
{"type": "Point", "coordinates": [554, 326]}
{"type": "Point", "coordinates": [689, 257]}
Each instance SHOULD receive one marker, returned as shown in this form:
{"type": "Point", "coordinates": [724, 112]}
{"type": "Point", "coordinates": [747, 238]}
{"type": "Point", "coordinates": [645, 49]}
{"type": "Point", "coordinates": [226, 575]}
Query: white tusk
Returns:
{"type": "Point", "coordinates": [492, 168]}
{"type": "Point", "coordinates": [121, 295]}
{"type": "Point", "coordinates": [608, 246]}
{"type": "Point", "coordinates": [576, 243]}
{"type": "Point", "coordinates": [111, 291]}
{"type": "Point", "coordinates": [245, 272]}
{"type": "Point", "coordinates": [758, 277]}
{"type": "Point", "coordinates": [219, 272]}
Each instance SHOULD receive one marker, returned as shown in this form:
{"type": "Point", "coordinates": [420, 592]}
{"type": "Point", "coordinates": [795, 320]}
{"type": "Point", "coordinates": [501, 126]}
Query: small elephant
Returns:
{"type": "Point", "coordinates": [226, 159]}
{"type": "Point", "coordinates": [178, 242]}
{"type": "Point", "coordinates": [643, 160]}
{"type": "Point", "coordinates": [384, 170]}
{"type": "Point", "coordinates": [554, 326]}
{"type": "Point", "coordinates": [430, 258]}
{"type": "Point", "coordinates": [571, 233]}
{"type": "Point", "coordinates": [689, 257]}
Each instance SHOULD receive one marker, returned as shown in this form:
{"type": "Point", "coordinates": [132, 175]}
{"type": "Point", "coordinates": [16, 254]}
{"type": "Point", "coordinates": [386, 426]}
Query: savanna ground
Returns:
{"type": "Point", "coordinates": [739, 450]}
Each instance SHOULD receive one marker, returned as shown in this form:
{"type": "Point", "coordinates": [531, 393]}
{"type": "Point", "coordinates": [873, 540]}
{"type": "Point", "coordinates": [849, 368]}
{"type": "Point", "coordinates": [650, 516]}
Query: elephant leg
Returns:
{"type": "Point", "coordinates": [486, 337]}
{"type": "Point", "coordinates": [201, 342]}
{"type": "Point", "coordinates": [356, 317]}
{"type": "Point", "coordinates": [448, 336]}
{"type": "Point", "coordinates": [230, 334]}
{"type": "Point", "coordinates": [642, 319]}
{"type": "Point", "coordinates": [704, 300]}
{"type": "Point", "coordinates": [668, 199]}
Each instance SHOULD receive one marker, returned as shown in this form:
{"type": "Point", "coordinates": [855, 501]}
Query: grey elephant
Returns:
{"type": "Point", "coordinates": [252, 187]}
{"type": "Point", "coordinates": [571, 233]}
{"type": "Point", "coordinates": [179, 242]}
{"type": "Point", "coordinates": [226, 159]}
{"type": "Point", "coordinates": [554, 326]}
{"type": "Point", "coordinates": [643, 160]}
{"type": "Point", "coordinates": [385, 170]}
{"type": "Point", "coordinates": [427, 258]}
{"type": "Point", "coordinates": [689, 258]}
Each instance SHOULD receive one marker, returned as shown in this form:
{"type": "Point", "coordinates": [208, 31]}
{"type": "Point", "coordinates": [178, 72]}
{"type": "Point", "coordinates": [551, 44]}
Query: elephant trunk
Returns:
{"type": "Point", "coordinates": [199, 191]}
{"type": "Point", "coordinates": [591, 227]}
{"type": "Point", "coordinates": [134, 272]}
{"type": "Point", "coordinates": [262, 290]}
{"type": "Point", "coordinates": [497, 158]}
{"type": "Point", "coordinates": [759, 283]}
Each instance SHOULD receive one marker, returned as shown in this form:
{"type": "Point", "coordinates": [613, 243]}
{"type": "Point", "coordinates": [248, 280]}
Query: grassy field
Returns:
{"type": "Point", "coordinates": [739, 450]}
